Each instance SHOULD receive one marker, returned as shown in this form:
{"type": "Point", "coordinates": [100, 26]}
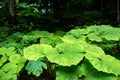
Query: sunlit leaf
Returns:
{"type": "Point", "coordinates": [7, 76]}
{"type": "Point", "coordinates": [66, 54]}
{"type": "Point", "coordinates": [105, 32]}
{"type": "Point", "coordinates": [35, 51]}
{"type": "Point", "coordinates": [3, 59]}
{"type": "Point", "coordinates": [77, 35]}
{"type": "Point", "coordinates": [91, 73]}
{"type": "Point", "coordinates": [5, 53]}
{"type": "Point", "coordinates": [89, 48]}
{"type": "Point", "coordinates": [78, 32]}
{"type": "Point", "coordinates": [94, 37]}
{"type": "Point", "coordinates": [12, 68]}
{"type": "Point", "coordinates": [72, 39]}
{"type": "Point", "coordinates": [104, 63]}
{"type": "Point", "coordinates": [8, 51]}
{"type": "Point", "coordinates": [16, 58]}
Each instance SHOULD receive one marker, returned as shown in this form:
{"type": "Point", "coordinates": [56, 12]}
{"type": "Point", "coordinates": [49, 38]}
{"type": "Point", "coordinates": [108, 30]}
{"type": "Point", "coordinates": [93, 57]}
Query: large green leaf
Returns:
{"type": "Point", "coordinates": [112, 34]}
{"type": "Point", "coordinates": [104, 63]}
{"type": "Point", "coordinates": [40, 33]}
{"type": "Point", "coordinates": [97, 33]}
{"type": "Point", "coordinates": [14, 64]}
{"type": "Point", "coordinates": [36, 67]}
{"type": "Point", "coordinates": [95, 75]}
{"type": "Point", "coordinates": [5, 53]}
{"type": "Point", "coordinates": [89, 48]}
{"type": "Point", "coordinates": [91, 73]}
{"type": "Point", "coordinates": [3, 59]}
{"type": "Point", "coordinates": [78, 32]}
{"type": "Point", "coordinates": [77, 35]}
{"type": "Point", "coordinates": [72, 39]}
{"type": "Point", "coordinates": [7, 76]}
{"type": "Point", "coordinates": [35, 51]}
{"type": "Point", "coordinates": [17, 59]}
{"type": "Point", "coordinates": [51, 40]}
{"type": "Point", "coordinates": [94, 37]}
{"type": "Point", "coordinates": [66, 54]}
{"type": "Point", "coordinates": [12, 68]}
{"type": "Point", "coordinates": [67, 73]}
{"type": "Point", "coordinates": [34, 35]}
{"type": "Point", "coordinates": [99, 28]}
{"type": "Point", "coordinates": [85, 72]}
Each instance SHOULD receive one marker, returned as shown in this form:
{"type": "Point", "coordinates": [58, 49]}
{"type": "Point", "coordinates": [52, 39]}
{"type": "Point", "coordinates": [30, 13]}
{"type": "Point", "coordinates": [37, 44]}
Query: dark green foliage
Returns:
{"type": "Point", "coordinates": [51, 15]}
{"type": "Point", "coordinates": [35, 67]}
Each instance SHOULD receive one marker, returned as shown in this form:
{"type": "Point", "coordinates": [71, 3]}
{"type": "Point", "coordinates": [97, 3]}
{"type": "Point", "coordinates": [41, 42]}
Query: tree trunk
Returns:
{"type": "Point", "coordinates": [12, 19]}
{"type": "Point", "coordinates": [118, 11]}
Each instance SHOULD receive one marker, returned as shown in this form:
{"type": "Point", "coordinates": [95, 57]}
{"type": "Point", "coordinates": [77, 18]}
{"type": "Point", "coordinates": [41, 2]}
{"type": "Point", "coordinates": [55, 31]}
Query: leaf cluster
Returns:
{"type": "Point", "coordinates": [78, 49]}
{"type": "Point", "coordinates": [77, 55]}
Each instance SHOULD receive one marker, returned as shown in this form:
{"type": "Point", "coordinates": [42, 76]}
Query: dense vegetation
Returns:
{"type": "Point", "coordinates": [59, 40]}
{"type": "Point", "coordinates": [54, 14]}
{"type": "Point", "coordinates": [80, 54]}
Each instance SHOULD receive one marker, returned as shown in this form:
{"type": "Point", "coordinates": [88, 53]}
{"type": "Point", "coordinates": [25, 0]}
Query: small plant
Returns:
{"type": "Point", "coordinates": [36, 67]}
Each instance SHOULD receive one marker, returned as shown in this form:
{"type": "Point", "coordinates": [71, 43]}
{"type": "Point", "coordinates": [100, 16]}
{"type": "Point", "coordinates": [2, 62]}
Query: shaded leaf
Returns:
{"type": "Point", "coordinates": [67, 73]}
{"type": "Point", "coordinates": [60, 33]}
{"type": "Point", "coordinates": [53, 41]}
{"type": "Point", "coordinates": [36, 67]}
{"type": "Point", "coordinates": [40, 33]}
